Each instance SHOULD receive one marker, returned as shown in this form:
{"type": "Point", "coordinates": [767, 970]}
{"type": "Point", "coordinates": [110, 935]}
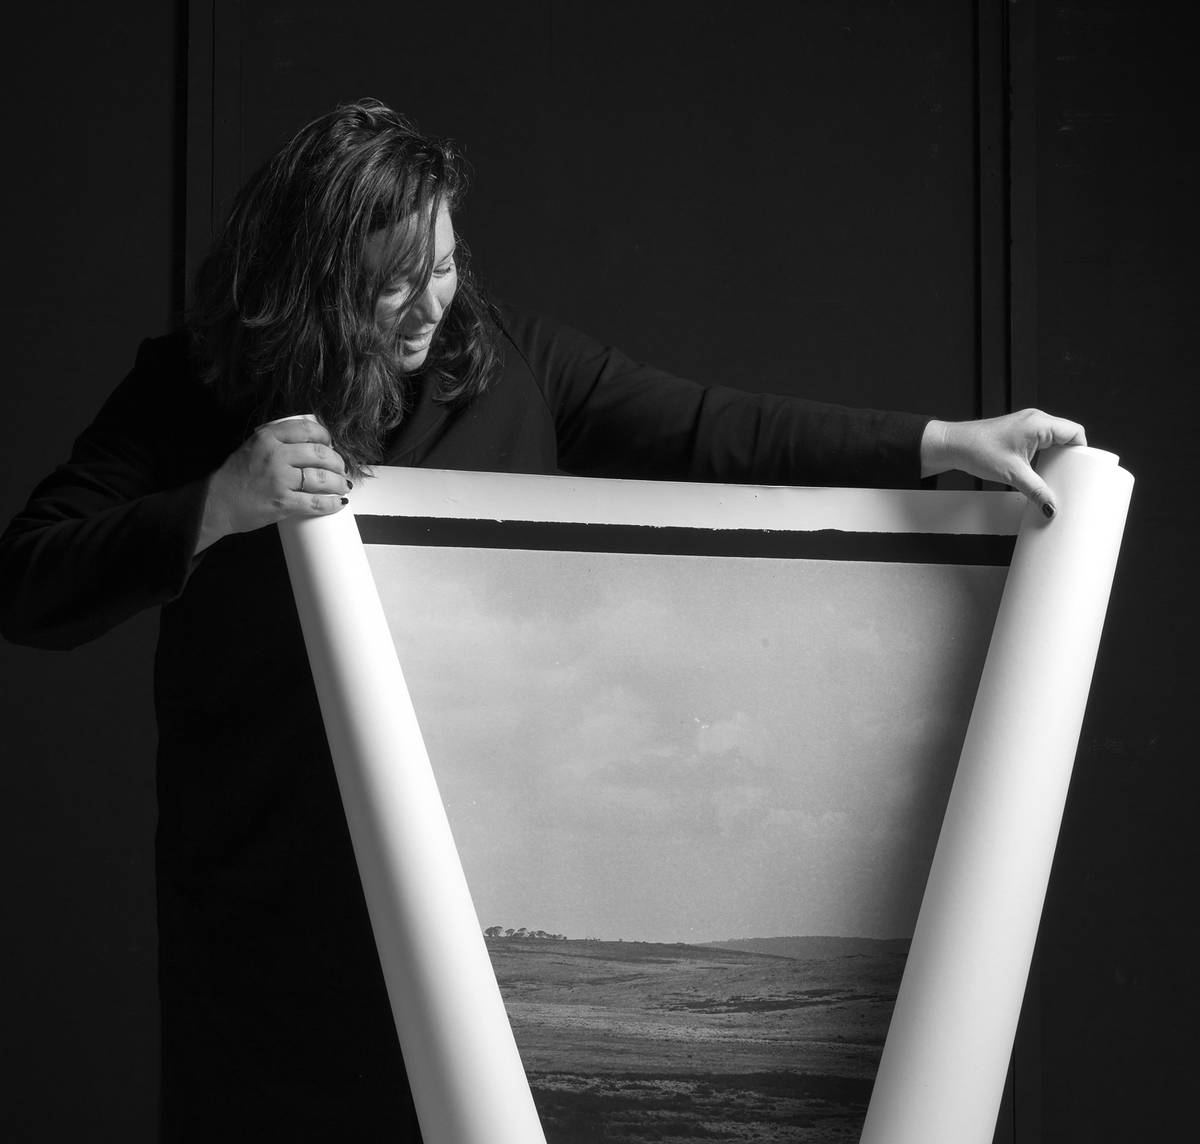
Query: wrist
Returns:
{"type": "Point", "coordinates": [214, 520]}
{"type": "Point", "coordinates": [935, 449]}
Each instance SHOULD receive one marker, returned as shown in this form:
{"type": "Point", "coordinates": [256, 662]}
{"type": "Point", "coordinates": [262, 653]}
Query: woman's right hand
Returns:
{"type": "Point", "coordinates": [286, 468]}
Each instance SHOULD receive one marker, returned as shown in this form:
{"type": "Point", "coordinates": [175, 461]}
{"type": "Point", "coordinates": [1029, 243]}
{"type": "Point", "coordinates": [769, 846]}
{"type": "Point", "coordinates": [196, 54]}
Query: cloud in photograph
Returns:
{"type": "Point", "coordinates": [668, 748]}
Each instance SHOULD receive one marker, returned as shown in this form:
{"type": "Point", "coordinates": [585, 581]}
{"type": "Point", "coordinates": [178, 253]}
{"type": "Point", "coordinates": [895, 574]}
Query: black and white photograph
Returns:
{"type": "Point", "coordinates": [599, 573]}
{"type": "Point", "coordinates": [696, 798]}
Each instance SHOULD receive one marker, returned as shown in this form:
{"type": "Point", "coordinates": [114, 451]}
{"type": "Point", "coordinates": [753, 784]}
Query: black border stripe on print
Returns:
{"type": "Point", "coordinates": [558, 536]}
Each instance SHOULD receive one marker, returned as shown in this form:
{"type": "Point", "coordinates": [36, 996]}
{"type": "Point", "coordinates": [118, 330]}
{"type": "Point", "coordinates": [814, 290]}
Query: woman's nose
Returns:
{"type": "Point", "coordinates": [429, 305]}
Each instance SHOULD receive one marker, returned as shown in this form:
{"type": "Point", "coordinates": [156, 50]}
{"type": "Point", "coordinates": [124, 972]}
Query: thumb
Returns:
{"type": "Point", "coordinates": [1025, 480]}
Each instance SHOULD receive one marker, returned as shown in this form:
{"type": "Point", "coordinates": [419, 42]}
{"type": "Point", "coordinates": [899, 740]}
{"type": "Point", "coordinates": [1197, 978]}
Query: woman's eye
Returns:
{"type": "Point", "coordinates": [401, 289]}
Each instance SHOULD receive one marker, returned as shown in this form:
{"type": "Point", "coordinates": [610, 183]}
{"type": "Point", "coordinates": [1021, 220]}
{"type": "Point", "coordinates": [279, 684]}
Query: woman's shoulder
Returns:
{"type": "Point", "coordinates": [516, 325]}
{"type": "Point", "coordinates": [521, 322]}
{"type": "Point", "coordinates": [163, 386]}
{"type": "Point", "coordinates": [169, 358]}
{"type": "Point", "coordinates": [540, 340]}
{"type": "Point", "coordinates": [170, 365]}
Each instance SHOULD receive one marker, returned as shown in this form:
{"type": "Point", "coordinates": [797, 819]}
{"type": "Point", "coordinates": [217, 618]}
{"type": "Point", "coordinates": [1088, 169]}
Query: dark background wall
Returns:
{"type": "Point", "coordinates": [89, 121]}
{"type": "Point", "coordinates": [1118, 181]}
{"type": "Point", "coordinates": [670, 179]}
{"type": "Point", "coordinates": [816, 203]}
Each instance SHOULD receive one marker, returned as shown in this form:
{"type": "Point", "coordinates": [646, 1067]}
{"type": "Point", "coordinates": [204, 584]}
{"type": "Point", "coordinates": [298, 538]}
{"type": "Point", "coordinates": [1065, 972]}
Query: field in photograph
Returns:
{"type": "Point", "coordinates": [628, 1042]}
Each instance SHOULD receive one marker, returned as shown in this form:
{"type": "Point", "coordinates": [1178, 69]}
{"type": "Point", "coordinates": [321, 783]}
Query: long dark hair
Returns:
{"type": "Point", "coordinates": [283, 319]}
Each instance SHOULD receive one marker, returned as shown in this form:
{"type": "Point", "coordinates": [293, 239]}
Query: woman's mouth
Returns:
{"type": "Point", "coordinates": [413, 343]}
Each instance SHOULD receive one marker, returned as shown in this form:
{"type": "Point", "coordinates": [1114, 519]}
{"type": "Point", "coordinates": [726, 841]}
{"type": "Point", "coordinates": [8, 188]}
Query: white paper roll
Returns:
{"type": "Point", "coordinates": [467, 1079]}
{"type": "Point", "coordinates": [942, 1073]}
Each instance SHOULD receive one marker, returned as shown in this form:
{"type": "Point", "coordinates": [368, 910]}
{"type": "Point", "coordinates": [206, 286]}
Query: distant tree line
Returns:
{"type": "Point", "coordinates": [536, 935]}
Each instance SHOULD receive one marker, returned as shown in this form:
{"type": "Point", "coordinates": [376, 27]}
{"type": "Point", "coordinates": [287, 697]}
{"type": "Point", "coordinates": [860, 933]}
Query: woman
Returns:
{"type": "Point", "coordinates": [339, 289]}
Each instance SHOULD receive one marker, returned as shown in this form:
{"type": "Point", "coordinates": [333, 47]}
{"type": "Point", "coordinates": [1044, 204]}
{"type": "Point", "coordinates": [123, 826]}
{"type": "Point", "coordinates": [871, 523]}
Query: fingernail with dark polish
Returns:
{"type": "Point", "coordinates": [349, 484]}
{"type": "Point", "coordinates": [1048, 509]}
{"type": "Point", "coordinates": [345, 500]}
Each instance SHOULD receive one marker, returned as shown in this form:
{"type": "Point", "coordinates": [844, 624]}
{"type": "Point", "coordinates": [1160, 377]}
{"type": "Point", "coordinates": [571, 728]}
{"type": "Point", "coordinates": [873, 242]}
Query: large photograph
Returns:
{"type": "Point", "coordinates": [702, 812]}
{"type": "Point", "coordinates": [696, 798]}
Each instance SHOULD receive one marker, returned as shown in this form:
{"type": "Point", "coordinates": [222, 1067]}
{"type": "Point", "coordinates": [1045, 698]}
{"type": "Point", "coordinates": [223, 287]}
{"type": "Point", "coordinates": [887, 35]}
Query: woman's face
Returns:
{"type": "Point", "coordinates": [418, 327]}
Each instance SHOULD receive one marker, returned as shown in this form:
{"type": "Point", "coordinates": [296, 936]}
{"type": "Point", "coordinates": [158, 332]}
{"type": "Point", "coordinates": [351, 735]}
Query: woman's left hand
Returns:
{"type": "Point", "coordinates": [999, 449]}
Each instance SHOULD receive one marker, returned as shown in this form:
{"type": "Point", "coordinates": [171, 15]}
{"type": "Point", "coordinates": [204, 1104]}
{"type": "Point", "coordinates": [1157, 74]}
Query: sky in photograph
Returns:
{"type": "Point", "coordinates": [682, 748]}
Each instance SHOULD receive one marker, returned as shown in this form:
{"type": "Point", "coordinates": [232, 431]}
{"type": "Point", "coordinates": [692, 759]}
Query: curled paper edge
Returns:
{"type": "Point", "coordinates": [464, 1070]}
{"type": "Point", "coordinates": [942, 1073]}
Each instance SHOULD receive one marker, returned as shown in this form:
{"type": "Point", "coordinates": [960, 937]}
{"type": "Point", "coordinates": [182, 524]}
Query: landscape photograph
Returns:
{"type": "Point", "coordinates": [638, 1041]}
{"type": "Point", "coordinates": [696, 799]}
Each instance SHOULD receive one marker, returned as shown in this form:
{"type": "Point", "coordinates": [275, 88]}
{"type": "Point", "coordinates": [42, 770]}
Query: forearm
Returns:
{"type": "Point", "coordinates": [68, 580]}
{"type": "Point", "coordinates": [618, 417]}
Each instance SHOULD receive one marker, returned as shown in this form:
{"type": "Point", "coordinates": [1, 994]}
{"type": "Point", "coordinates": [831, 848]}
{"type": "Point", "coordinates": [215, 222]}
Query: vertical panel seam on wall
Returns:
{"type": "Point", "coordinates": [993, 289]}
{"type": "Point", "coordinates": [1023, 389]}
{"type": "Point", "coordinates": [198, 145]}
{"type": "Point", "coordinates": [228, 107]}
{"type": "Point", "coordinates": [992, 208]}
{"type": "Point", "coordinates": [1022, 53]}
{"type": "Point", "coordinates": [214, 121]}
{"type": "Point", "coordinates": [177, 239]}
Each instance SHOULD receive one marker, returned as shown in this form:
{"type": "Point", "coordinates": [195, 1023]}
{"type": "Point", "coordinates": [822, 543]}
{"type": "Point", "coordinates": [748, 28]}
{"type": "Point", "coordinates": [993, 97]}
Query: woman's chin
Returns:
{"type": "Point", "coordinates": [411, 361]}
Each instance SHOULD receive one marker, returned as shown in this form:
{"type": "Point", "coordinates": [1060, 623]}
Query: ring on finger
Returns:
{"type": "Point", "coordinates": [301, 480]}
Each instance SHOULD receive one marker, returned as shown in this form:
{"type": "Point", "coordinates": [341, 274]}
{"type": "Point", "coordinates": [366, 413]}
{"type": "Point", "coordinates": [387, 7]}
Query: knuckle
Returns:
{"type": "Point", "coordinates": [316, 503]}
